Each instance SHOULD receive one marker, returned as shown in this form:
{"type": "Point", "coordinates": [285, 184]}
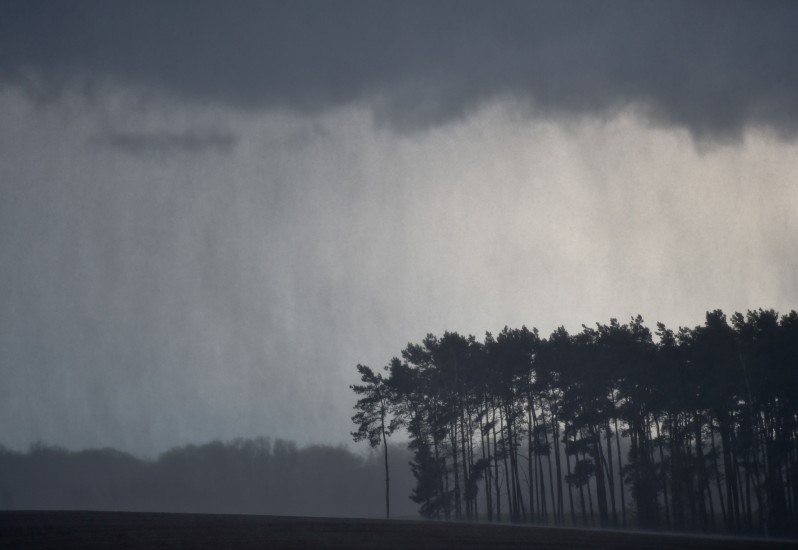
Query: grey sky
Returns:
{"type": "Point", "coordinates": [711, 66]}
{"type": "Point", "coordinates": [210, 214]}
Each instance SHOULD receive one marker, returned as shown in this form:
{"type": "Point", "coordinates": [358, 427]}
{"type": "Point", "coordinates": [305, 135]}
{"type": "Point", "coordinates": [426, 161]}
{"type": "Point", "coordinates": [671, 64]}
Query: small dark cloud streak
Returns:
{"type": "Point", "coordinates": [713, 67]}
{"type": "Point", "coordinates": [166, 143]}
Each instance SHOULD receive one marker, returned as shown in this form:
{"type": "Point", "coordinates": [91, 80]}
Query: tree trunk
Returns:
{"type": "Point", "coordinates": [466, 473]}
{"type": "Point", "coordinates": [716, 467]}
{"type": "Point", "coordinates": [731, 477]}
{"type": "Point", "coordinates": [488, 490]}
{"type": "Point", "coordinates": [548, 462]}
{"type": "Point", "coordinates": [708, 488]}
{"type": "Point", "coordinates": [611, 473]}
{"type": "Point", "coordinates": [662, 468]}
{"type": "Point", "coordinates": [589, 495]}
{"type": "Point", "coordinates": [453, 439]}
{"type": "Point", "coordinates": [529, 462]}
{"type": "Point", "coordinates": [735, 459]}
{"type": "Point", "coordinates": [496, 484]}
{"type": "Point", "coordinates": [699, 452]}
{"type": "Point", "coordinates": [541, 484]}
{"type": "Point", "coordinates": [387, 477]}
{"type": "Point", "coordinates": [601, 488]}
{"type": "Point", "coordinates": [505, 452]}
{"type": "Point", "coordinates": [677, 485]}
{"type": "Point", "coordinates": [568, 470]}
{"type": "Point", "coordinates": [620, 474]}
{"type": "Point", "coordinates": [555, 435]}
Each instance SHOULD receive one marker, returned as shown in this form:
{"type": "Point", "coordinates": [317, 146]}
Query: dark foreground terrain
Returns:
{"type": "Point", "coordinates": [87, 530]}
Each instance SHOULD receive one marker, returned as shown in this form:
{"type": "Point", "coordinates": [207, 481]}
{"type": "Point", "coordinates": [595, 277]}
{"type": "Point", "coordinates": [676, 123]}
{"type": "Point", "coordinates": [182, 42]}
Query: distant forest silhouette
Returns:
{"type": "Point", "coordinates": [693, 430]}
{"type": "Point", "coordinates": [245, 476]}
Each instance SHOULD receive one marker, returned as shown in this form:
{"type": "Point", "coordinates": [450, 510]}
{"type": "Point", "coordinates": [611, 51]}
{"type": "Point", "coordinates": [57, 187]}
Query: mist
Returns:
{"type": "Point", "coordinates": [210, 215]}
{"type": "Point", "coordinates": [164, 296]}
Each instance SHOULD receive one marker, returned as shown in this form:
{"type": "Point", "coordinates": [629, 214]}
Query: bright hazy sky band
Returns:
{"type": "Point", "coordinates": [182, 261]}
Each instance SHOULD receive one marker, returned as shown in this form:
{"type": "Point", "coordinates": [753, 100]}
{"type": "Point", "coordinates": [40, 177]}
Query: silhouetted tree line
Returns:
{"type": "Point", "coordinates": [257, 476]}
{"type": "Point", "coordinates": [692, 430]}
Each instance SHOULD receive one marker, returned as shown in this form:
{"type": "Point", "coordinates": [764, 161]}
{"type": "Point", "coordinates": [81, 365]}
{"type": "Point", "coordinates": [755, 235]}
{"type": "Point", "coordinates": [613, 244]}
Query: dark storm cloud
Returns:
{"type": "Point", "coordinates": [713, 67]}
{"type": "Point", "coordinates": [167, 143]}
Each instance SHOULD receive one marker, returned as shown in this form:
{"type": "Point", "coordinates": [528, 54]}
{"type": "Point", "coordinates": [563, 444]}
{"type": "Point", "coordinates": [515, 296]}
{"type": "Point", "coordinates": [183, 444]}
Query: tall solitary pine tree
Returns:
{"type": "Point", "coordinates": [371, 418]}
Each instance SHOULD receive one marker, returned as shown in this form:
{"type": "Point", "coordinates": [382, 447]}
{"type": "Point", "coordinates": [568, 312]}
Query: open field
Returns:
{"type": "Point", "coordinates": [87, 530]}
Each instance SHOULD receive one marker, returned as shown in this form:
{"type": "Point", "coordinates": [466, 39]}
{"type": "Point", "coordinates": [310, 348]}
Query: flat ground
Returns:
{"type": "Point", "coordinates": [88, 530]}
